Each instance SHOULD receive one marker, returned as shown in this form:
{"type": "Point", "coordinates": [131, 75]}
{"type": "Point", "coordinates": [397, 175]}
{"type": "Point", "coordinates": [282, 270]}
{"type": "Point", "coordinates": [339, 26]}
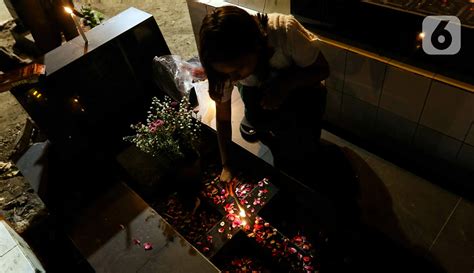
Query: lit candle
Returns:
{"type": "Point", "coordinates": [421, 36]}
{"type": "Point", "coordinates": [76, 22]}
{"type": "Point", "coordinates": [242, 212]}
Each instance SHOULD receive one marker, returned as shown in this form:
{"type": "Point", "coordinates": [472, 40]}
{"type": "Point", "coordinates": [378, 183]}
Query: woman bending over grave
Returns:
{"type": "Point", "coordinates": [278, 67]}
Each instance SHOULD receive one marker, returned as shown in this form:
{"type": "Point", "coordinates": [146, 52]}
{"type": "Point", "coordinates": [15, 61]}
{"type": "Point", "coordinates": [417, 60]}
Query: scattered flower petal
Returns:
{"type": "Point", "coordinates": [147, 246]}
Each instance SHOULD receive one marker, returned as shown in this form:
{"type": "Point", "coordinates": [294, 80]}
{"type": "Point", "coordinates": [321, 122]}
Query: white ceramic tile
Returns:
{"type": "Point", "coordinates": [363, 78]}
{"type": "Point", "coordinates": [332, 138]}
{"type": "Point", "coordinates": [470, 135]}
{"type": "Point", "coordinates": [404, 93]}
{"type": "Point", "coordinates": [208, 117]}
{"type": "Point", "coordinates": [336, 58]}
{"type": "Point", "coordinates": [268, 157]}
{"type": "Point", "coordinates": [277, 6]}
{"type": "Point", "coordinates": [449, 110]}
{"type": "Point", "coordinates": [333, 106]}
{"type": "Point", "coordinates": [256, 148]}
{"type": "Point", "coordinates": [466, 157]}
{"type": "Point", "coordinates": [15, 253]}
{"type": "Point", "coordinates": [7, 242]}
{"type": "Point", "coordinates": [16, 261]}
{"type": "Point", "coordinates": [438, 145]}
{"type": "Point", "coordinates": [391, 128]}
{"type": "Point", "coordinates": [358, 117]}
{"type": "Point", "coordinates": [256, 5]}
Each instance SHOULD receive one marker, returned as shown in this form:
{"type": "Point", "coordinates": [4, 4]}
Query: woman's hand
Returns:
{"type": "Point", "coordinates": [226, 175]}
{"type": "Point", "coordinates": [230, 182]}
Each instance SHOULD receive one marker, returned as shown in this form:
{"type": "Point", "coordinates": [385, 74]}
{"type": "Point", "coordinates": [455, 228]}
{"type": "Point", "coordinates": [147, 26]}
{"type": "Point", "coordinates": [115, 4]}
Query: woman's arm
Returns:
{"type": "Point", "coordinates": [295, 78]}
{"type": "Point", "coordinates": [224, 136]}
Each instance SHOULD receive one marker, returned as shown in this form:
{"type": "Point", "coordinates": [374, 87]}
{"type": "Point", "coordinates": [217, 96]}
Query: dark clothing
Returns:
{"type": "Point", "coordinates": [292, 132]}
{"type": "Point", "coordinates": [47, 21]}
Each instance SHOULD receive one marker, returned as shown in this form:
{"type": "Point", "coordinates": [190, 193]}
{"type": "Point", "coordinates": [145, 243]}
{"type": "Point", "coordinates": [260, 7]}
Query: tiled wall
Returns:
{"type": "Point", "coordinates": [378, 101]}
{"type": "Point", "coordinates": [384, 101]}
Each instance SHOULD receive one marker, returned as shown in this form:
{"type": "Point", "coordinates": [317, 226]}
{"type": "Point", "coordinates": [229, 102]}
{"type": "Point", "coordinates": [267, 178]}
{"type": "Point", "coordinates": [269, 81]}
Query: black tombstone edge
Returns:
{"type": "Point", "coordinates": [85, 103]}
{"type": "Point", "coordinates": [92, 93]}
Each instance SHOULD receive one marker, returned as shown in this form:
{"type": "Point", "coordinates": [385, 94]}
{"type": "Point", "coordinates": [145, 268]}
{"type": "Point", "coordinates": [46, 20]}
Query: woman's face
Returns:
{"type": "Point", "coordinates": [238, 69]}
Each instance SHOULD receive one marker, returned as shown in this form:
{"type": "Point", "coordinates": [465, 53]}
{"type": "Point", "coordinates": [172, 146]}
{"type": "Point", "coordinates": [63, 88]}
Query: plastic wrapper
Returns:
{"type": "Point", "coordinates": [176, 77]}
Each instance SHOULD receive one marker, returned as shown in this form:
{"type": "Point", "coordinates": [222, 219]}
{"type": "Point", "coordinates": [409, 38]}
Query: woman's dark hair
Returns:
{"type": "Point", "coordinates": [228, 33]}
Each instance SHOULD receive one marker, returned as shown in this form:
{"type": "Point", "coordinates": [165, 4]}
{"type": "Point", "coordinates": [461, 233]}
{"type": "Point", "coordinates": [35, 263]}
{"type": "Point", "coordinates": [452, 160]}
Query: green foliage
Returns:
{"type": "Point", "coordinates": [91, 17]}
{"type": "Point", "coordinates": [170, 131]}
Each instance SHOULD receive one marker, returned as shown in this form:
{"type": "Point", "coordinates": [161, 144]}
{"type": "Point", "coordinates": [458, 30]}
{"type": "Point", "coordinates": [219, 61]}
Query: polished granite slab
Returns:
{"type": "Point", "coordinates": [114, 231]}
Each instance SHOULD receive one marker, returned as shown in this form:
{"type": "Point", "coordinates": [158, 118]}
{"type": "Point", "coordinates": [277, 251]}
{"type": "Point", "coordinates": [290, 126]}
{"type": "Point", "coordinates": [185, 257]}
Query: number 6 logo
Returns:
{"type": "Point", "coordinates": [442, 35]}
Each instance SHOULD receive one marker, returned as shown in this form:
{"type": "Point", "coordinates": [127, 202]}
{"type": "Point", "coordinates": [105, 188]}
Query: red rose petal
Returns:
{"type": "Point", "coordinates": [147, 246]}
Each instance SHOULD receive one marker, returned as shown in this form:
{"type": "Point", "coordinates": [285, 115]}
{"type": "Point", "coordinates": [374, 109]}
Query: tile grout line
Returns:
{"type": "Point", "coordinates": [464, 140]}
{"type": "Point", "coordinates": [445, 223]}
{"type": "Point", "coordinates": [339, 115]}
{"type": "Point", "coordinates": [412, 142]}
{"type": "Point", "coordinates": [380, 96]}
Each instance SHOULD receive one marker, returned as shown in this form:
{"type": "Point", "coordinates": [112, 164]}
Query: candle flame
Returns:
{"type": "Point", "coordinates": [68, 10]}
{"type": "Point", "coordinates": [421, 35]}
{"type": "Point", "coordinates": [242, 213]}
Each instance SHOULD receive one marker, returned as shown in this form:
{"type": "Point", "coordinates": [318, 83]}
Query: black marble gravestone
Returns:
{"type": "Point", "coordinates": [86, 102]}
{"type": "Point", "coordinates": [91, 93]}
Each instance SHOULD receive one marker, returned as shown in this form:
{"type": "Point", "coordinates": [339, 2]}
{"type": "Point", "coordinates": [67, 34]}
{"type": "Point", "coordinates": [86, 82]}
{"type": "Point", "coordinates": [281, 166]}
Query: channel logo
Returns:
{"type": "Point", "coordinates": [442, 35]}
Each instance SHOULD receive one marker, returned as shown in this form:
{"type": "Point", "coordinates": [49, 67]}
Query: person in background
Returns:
{"type": "Point", "coordinates": [279, 68]}
{"type": "Point", "coordinates": [47, 21]}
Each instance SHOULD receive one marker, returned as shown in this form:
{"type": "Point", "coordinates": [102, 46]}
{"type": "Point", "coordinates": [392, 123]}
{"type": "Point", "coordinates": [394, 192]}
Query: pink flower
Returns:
{"type": "Point", "coordinates": [158, 123]}
{"type": "Point", "coordinates": [155, 124]}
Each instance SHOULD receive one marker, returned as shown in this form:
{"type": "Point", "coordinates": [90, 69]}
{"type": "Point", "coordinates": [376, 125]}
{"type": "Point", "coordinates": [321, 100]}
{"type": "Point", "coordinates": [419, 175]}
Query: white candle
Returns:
{"type": "Point", "coordinates": [76, 22]}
